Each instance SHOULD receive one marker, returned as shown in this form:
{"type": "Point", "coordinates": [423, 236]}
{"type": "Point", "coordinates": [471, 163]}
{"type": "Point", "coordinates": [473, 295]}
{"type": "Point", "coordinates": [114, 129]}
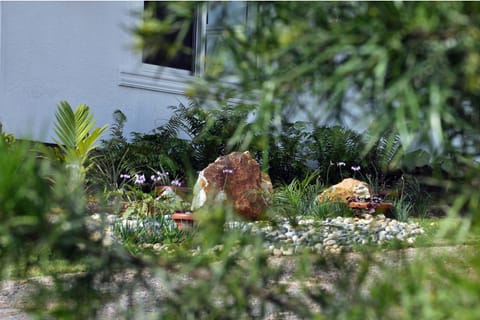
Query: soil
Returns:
{"type": "Point", "coordinates": [14, 293]}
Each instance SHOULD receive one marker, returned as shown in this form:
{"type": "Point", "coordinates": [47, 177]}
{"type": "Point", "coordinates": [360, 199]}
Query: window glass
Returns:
{"type": "Point", "coordinates": [202, 45]}
{"type": "Point", "coordinates": [231, 13]}
{"type": "Point", "coordinates": [220, 15]}
{"type": "Point", "coordinates": [165, 55]}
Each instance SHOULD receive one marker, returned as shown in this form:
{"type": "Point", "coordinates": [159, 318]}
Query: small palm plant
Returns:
{"type": "Point", "coordinates": [76, 137]}
{"type": "Point", "coordinates": [297, 199]}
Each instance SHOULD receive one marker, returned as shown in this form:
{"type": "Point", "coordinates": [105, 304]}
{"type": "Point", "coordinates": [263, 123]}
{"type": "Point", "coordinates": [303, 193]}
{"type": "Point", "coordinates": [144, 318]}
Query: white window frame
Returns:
{"type": "Point", "coordinates": [171, 80]}
{"type": "Point", "coordinates": [164, 79]}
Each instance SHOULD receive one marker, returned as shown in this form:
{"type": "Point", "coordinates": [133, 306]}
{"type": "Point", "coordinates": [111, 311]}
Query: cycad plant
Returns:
{"type": "Point", "coordinates": [297, 199]}
{"type": "Point", "coordinates": [111, 158]}
{"type": "Point", "coordinates": [76, 137]}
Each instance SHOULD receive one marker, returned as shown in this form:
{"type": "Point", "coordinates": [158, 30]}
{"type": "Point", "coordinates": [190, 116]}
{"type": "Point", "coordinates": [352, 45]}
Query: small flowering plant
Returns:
{"type": "Point", "coordinates": [226, 172]}
{"type": "Point", "coordinates": [162, 178]}
{"type": "Point", "coordinates": [146, 188]}
{"type": "Point", "coordinates": [141, 191]}
{"type": "Point", "coordinates": [158, 178]}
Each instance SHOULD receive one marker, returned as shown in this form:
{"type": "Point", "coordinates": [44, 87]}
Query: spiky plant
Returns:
{"type": "Point", "coordinates": [297, 199]}
{"type": "Point", "coordinates": [76, 136]}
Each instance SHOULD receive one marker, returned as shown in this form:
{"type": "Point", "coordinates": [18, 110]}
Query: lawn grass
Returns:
{"type": "Point", "coordinates": [46, 268]}
{"type": "Point", "coordinates": [447, 231]}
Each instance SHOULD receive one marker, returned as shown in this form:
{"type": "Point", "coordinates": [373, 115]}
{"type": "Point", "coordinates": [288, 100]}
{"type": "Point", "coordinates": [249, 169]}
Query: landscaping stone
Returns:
{"type": "Point", "coordinates": [235, 178]}
{"type": "Point", "coordinates": [347, 189]}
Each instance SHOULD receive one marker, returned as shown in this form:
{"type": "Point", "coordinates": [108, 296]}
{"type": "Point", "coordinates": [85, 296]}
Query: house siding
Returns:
{"type": "Point", "coordinates": [73, 51]}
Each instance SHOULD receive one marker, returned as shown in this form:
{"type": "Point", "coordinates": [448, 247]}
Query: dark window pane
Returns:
{"type": "Point", "coordinates": [183, 57]}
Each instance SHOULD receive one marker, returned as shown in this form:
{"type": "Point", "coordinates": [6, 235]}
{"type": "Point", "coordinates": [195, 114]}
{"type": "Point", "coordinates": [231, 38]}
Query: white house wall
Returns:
{"type": "Point", "coordinates": [73, 51]}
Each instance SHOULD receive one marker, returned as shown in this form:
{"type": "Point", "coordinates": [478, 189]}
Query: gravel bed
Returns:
{"type": "Point", "coordinates": [333, 234]}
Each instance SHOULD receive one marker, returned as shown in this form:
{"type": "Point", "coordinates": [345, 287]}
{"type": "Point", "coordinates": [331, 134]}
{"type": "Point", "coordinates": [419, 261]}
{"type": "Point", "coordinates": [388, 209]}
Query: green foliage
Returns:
{"type": "Point", "coordinates": [142, 204]}
{"type": "Point", "coordinates": [214, 132]}
{"type": "Point", "coordinates": [229, 277]}
{"type": "Point", "coordinates": [328, 209]}
{"type": "Point", "coordinates": [330, 146]}
{"type": "Point", "coordinates": [43, 222]}
{"type": "Point", "coordinates": [190, 140]}
{"type": "Point", "coordinates": [76, 136]}
{"type": "Point", "coordinates": [115, 156]}
{"type": "Point", "coordinates": [135, 233]}
{"type": "Point", "coordinates": [385, 155]}
{"type": "Point", "coordinates": [411, 68]}
{"type": "Point", "coordinates": [297, 199]}
{"type": "Point", "coordinates": [209, 129]}
{"type": "Point", "coordinates": [411, 200]}
{"type": "Point", "coordinates": [109, 164]}
{"type": "Point", "coordinates": [289, 155]}
{"type": "Point", "coordinates": [110, 159]}
{"type": "Point", "coordinates": [295, 148]}
{"type": "Point", "coordinates": [8, 138]}
{"type": "Point", "coordinates": [402, 210]}
{"type": "Point", "coordinates": [24, 205]}
{"type": "Point", "coordinates": [157, 150]}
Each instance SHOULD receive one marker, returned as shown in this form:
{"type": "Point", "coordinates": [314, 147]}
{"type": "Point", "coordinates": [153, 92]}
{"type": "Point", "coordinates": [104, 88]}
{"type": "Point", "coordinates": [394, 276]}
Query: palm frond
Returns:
{"type": "Point", "coordinates": [76, 136]}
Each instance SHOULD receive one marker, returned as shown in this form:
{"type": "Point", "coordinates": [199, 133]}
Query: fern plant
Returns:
{"type": "Point", "coordinates": [383, 153]}
{"type": "Point", "coordinates": [76, 136]}
{"type": "Point", "coordinates": [288, 154]}
{"type": "Point", "coordinates": [333, 145]}
{"type": "Point", "coordinates": [210, 130]}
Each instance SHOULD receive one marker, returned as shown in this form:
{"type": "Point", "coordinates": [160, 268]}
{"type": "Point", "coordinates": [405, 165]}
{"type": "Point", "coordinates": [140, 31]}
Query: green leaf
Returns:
{"type": "Point", "coordinates": [75, 132]}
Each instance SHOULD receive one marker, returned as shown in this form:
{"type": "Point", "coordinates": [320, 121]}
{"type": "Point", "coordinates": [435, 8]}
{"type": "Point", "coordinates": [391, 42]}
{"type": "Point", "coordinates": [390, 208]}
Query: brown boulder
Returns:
{"type": "Point", "coordinates": [347, 189]}
{"type": "Point", "coordinates": [236, 178]}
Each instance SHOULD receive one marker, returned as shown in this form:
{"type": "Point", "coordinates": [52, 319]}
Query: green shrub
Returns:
{"type": "Point", "coordinates": [44, 221]}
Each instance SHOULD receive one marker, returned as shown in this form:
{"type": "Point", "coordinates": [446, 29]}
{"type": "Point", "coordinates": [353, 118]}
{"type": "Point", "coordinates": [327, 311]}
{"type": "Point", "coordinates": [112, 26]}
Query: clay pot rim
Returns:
{"type": "Point", "coordinates": [182, 216]}
{"type": "Point", "coordinates": [369, 204]}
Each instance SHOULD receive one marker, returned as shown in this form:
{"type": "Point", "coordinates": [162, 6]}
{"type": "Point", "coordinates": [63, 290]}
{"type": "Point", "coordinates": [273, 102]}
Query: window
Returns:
{"type": "Point", "coordinates": [220, 14]}
{"type": "Point", "coordinates": [182, 58]}
{"type": "Point", "coordinates": [159, 70]}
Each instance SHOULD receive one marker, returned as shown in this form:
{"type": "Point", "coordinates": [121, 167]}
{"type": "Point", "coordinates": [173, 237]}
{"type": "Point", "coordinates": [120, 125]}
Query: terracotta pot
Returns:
{"type": "Point", "coordinates": [381, 207]}
{"type": "Point", "coordinates": [184, 220]}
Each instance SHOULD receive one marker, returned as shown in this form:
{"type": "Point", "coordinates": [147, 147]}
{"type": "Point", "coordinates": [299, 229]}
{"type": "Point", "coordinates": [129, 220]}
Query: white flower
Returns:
{"type": "Point", "coordinates": [139, 179]}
